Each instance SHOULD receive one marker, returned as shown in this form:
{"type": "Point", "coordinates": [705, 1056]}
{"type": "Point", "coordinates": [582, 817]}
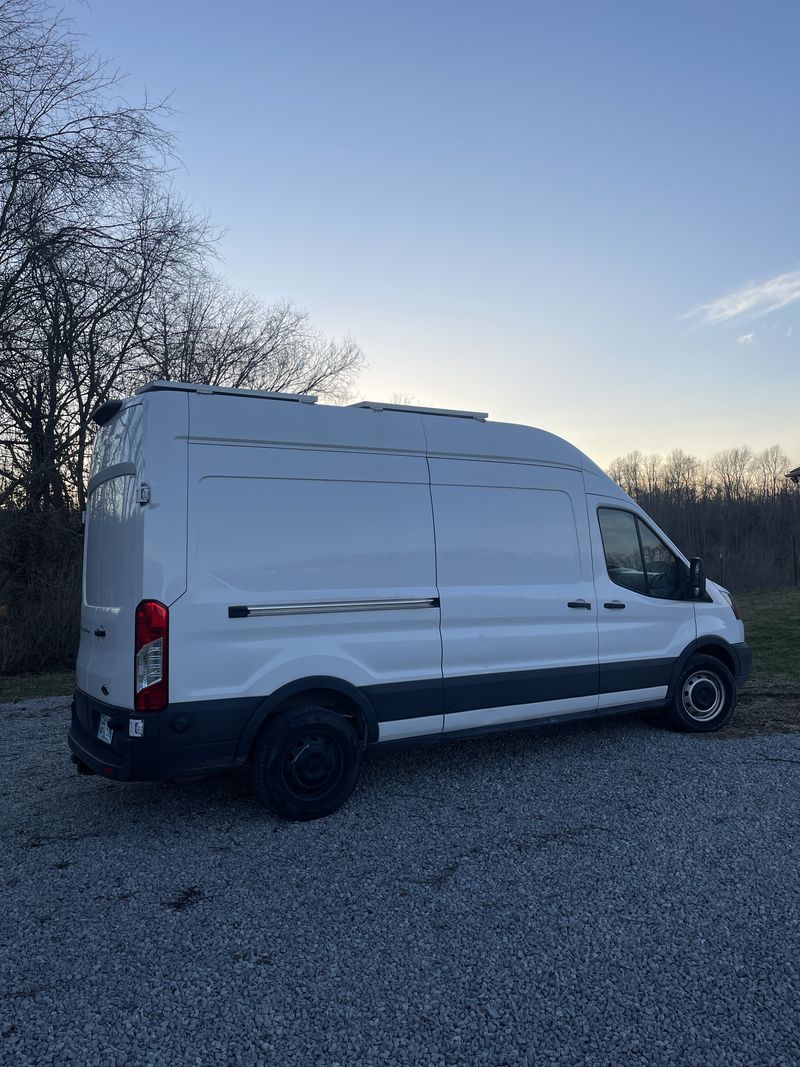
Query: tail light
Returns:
{"type": "Point", "coordinates": [150, 656]}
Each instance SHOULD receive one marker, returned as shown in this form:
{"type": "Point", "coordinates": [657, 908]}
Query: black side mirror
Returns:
{"type": "Point", "coordinates": [697, 578]}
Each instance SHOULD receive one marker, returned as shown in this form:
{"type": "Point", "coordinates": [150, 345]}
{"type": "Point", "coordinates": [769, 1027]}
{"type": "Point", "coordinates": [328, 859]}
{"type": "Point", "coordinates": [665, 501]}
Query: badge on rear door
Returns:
{"type": "Point", "coordinates": [104, 731]}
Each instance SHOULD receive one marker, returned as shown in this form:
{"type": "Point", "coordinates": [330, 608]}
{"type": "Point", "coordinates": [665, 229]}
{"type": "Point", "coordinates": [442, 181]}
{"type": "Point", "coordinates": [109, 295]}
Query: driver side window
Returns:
{"type": "Point", "coordinates": [635, 557]}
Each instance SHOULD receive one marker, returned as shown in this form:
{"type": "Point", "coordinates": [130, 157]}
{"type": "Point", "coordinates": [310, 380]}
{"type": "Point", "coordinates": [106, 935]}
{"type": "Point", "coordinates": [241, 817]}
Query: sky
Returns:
{"type": "Point", "coordinates": [579, 216]}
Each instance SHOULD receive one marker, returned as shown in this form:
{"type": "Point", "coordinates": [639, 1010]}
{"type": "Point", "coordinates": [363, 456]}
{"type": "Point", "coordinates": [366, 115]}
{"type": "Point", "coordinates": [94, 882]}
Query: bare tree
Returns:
{"type": "Point", "coordinates": [769, 471]}
{"type": "Point", "coordinates": [206, 331]}
{"type": "Point", "coordinates": [73, 158]}
{"type": "Point", "coordinates": [652, 467]}
{"type": "Point", "coordinates": [104, 280]}
{"type": "Point", "coordinates": [77, 339]}
{"type": "Point", "coordinates": [67, 143]}
{"type": "Point", "coordinates": [733, 467]}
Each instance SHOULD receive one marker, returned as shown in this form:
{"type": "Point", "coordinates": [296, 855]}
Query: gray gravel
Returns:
{"type": "Point", "coordinates": [609, 893]}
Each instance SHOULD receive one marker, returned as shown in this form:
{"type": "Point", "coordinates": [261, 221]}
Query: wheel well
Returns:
{"type": "Point", "coordinates": [718, 653]}
{"type": "Point", "coordinates": [325, 698]}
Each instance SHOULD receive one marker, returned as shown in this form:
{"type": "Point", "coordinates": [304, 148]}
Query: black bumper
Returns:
{"type": "Point", "coordinates": [182, 739]}
{"type": "Point", "coordinates": [744, 658]}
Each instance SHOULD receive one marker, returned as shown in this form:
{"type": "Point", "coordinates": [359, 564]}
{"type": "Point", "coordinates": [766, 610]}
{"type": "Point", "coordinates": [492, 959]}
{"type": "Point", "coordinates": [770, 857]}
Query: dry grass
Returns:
{"type": "Point", "coordinates": [772, 628]}
{"type": "Point", "coordinates": [24, 686]}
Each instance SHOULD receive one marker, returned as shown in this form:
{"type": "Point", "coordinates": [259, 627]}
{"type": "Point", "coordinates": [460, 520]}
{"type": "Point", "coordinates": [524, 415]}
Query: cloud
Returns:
{"type": "Point", "coordinates": [755, 299]}
{"type": "Point", "coordinates": [790, 331]}
{"type": "Point", "coordinates": [745, 339]}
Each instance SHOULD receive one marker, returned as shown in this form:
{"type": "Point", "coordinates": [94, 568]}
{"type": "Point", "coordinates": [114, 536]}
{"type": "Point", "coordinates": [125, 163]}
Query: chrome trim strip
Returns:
{"type": "Point", "coordinates": [244, 611]}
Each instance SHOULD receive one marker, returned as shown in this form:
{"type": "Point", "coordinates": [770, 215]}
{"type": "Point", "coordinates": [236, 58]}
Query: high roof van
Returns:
{"type": "Point", "coordinates": [275, 582]}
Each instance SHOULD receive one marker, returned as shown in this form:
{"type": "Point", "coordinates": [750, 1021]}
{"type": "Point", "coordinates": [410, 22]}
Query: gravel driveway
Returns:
{"type": "Point", "coordinates": [605, 893]}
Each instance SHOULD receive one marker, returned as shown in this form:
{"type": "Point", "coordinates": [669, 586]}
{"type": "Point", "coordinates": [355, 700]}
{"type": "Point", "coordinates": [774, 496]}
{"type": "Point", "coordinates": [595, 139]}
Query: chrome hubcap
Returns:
{"type": "Point", "coordinates": [703, 695]}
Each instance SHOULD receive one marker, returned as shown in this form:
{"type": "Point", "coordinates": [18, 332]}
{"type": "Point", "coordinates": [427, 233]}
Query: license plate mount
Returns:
{"type": "Point", "coordinates": [104, 731]}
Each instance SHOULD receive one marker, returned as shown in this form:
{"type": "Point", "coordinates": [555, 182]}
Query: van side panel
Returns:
{"type": "Point", "coordinates": [326, 558]}
{"type": "Point", "coordinates": [245, 420]}
{"type": "Point", "coordinates": [513, 553]}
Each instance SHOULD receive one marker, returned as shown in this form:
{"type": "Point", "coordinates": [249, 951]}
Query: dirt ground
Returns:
{"type": "Point", "coordinates": [764, 708]}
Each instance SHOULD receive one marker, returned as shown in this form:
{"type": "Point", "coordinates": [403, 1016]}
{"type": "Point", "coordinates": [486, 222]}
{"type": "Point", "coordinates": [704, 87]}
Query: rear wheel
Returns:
{"type": "Point", "coordinates": [705, 696]}
{"type": "Point", "coordinates": [307, 762]}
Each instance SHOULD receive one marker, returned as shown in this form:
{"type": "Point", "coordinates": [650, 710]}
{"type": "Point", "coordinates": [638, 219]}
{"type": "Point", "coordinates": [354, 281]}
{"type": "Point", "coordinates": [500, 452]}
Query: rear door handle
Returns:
{"type": "Point", "coordinates": [614, 605]}
{"type": "Point", "coordinates": [100, 632]}
{"type": "Point", "coordinates": [579, 604]}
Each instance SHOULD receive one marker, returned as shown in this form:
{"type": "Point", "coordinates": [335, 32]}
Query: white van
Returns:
{"type": "Point", "coordinates": [275, 582]}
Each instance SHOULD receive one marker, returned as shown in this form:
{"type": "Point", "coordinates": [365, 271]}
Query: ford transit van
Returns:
{"type": "Point", "coordinates": [279, 583]}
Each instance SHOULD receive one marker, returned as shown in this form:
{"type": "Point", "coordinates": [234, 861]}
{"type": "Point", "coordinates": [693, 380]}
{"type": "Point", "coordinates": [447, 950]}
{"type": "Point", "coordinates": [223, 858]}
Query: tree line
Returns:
{"type": "Point", "coordinates": [737, 510]}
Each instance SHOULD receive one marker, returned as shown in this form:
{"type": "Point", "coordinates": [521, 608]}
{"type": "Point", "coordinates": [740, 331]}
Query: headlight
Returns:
{"type": "Point", "coordinates": [732, 603]}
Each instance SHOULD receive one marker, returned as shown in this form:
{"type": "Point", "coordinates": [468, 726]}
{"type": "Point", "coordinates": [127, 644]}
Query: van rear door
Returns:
{"type": "Point", "coordinates": [112, 562]}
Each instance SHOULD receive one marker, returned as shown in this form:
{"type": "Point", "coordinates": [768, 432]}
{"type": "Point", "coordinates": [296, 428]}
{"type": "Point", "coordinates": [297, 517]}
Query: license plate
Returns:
{"type": "Point", "coordinates": [104, 731]}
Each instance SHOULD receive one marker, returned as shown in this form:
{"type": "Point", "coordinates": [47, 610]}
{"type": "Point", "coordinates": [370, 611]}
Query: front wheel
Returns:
{"type": "Point", "coordinates": [306, 763]}
{"type": "Point", "coordinates": [705, 696]}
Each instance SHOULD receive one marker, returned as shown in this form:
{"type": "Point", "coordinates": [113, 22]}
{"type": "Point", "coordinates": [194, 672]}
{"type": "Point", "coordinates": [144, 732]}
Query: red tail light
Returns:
{"type": "Point", "coordinates": [150, 657]}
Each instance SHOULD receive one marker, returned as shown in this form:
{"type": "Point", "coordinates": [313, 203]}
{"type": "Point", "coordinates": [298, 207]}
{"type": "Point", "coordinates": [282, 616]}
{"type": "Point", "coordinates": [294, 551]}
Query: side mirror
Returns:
{"type": "Point", "coordinates": [697, 578]}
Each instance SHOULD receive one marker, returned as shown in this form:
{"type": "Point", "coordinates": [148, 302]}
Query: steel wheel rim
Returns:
{"type": "Point", "coordinates": [703, 695]}
{"type": "Point", "coordinates": [313, 765]}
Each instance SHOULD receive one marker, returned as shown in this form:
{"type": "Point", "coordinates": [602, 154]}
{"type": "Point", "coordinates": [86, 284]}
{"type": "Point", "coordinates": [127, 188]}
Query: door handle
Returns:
{"type": "Point", "coordinates": [100, 632]}
{"type": "Point", "coordinates": [614, 605]}
{"type": "Point", "coordinates": [579, 604]}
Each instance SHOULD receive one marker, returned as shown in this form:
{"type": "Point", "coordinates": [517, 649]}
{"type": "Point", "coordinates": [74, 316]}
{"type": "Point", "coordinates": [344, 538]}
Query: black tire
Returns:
{"type": "Point", "coordinates": [306, 763]}
{"type": "Point", "coordinates": [705, 696]}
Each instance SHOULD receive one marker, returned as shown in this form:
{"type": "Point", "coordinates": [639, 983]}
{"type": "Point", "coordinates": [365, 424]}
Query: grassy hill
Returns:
{"type": "Point", "coordinates": [772, 627]}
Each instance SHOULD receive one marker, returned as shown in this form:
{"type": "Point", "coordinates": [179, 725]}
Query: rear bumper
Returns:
{"type": "Point", "coordinates": [128, 759]}
{"type": "Point", "coordinates": [182, 739]}
{"type": "Point", "coordinates": [744, 659]}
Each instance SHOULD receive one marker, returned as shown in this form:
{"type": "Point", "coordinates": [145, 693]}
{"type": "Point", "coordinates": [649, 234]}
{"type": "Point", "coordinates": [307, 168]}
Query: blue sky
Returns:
{"type": "Point", "coordinates": [582, 216]}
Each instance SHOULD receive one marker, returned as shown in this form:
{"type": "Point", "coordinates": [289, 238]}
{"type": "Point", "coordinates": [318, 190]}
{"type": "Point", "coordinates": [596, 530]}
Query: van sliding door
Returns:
{"type": "Point", "coordinates": [519, 618]}
{"type": "Point", "coordinates": [309, 563]}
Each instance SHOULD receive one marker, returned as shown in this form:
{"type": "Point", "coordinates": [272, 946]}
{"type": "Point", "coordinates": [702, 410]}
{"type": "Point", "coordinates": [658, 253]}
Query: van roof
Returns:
{"type": "Point", "coordinates": [306, 398]}
{"type": "Point", "coordinates": [439, 432]}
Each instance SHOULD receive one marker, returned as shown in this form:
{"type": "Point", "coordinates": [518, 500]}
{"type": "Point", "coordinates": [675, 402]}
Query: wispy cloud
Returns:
{"type": "Point", "coordinates": [745, 339]}
{"type": "Point", "coordinates": [790, 331]}
{"type": "Point", "coordinates": [755, 299]}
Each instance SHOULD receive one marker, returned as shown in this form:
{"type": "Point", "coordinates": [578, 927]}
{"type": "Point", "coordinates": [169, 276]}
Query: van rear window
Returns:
{"type": "Point", "coordinates": [120, 441]}
{"type": "Point", "coordinates": [110, 543]}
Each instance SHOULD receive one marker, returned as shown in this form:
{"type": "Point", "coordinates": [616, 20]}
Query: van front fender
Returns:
{"type": "Point", "coordinates": [737, 658]}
